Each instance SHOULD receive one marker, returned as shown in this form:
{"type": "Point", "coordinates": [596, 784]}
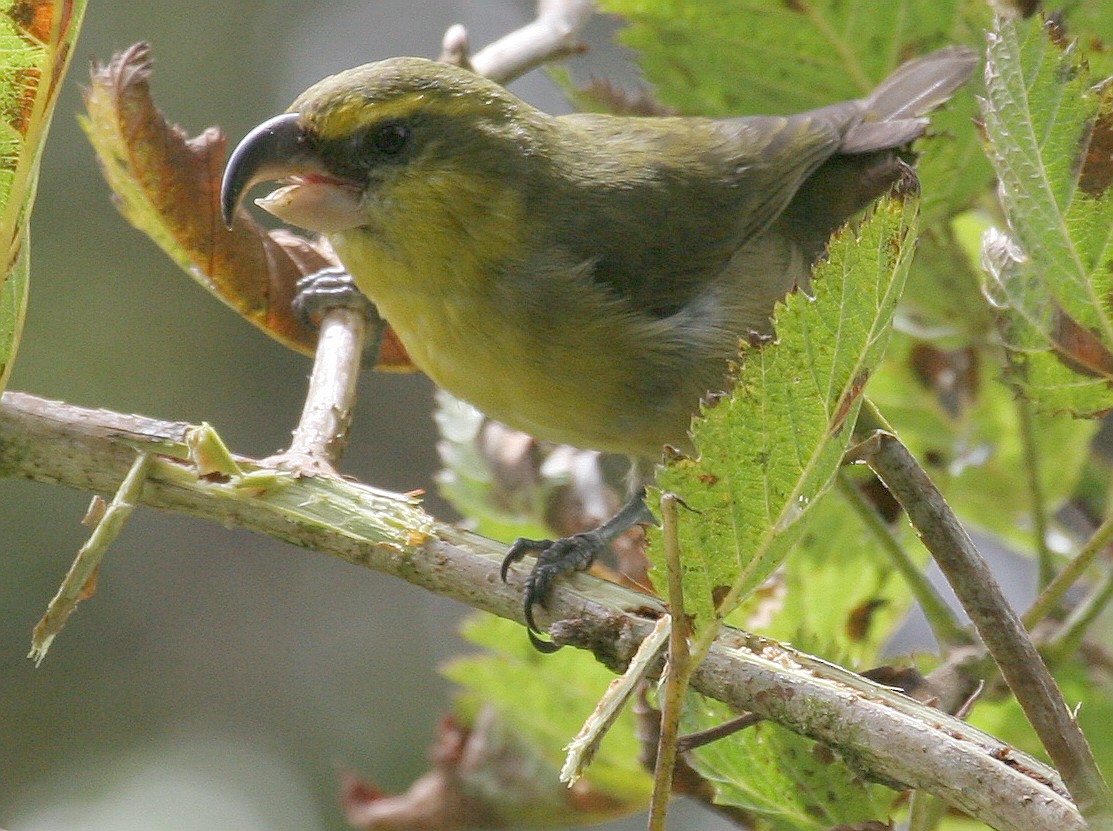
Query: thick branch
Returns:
{"type": "Point", "coordinates": [890, 737]}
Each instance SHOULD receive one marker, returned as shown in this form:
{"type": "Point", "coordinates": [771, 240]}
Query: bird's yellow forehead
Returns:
{"type": "Point", "coordinates": [394, 89]}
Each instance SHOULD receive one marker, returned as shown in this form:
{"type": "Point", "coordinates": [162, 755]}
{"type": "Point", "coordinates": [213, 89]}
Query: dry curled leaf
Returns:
{"type": "Point", "coordinates": [167, 185]}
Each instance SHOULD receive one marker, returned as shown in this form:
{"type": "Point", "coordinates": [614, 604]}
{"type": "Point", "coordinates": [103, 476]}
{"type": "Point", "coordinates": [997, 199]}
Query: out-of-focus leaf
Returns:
{"type": "Point", "coordinates": [944, 301]}
{"type": "Point", "coordinates": [810, 603]}
{"type": "Point", "coordinates": [36, 42]}
{"type": "Point", "coordinates": [770, 450]}
{"type": "Point", "coordinates": [791, 782]}
{"type": "Point", "coordinates": [483, 774]}
{"type": "Point", "coordinates": [544, 700]}
{"type": "Point", "coordinates": [1051, 276]}
{"type": "Point", "coordinates": [168, 186]}
{"type": "Point", "coordinates": [722, 57]}
{"type": "Point", "coordinates": [955, 414]}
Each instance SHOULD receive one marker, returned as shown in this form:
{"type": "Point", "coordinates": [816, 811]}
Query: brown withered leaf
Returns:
{"type": "Point", "coordinates": [482, 776]}
{"type": "Point", "coordinates": [167, 185]}
{"type": "Point", "coordinates": [1079, 348]}
{"type": "Point", "coordinates": [952, 375]}
{"type": "Point", "coordinates": [1097, 165]}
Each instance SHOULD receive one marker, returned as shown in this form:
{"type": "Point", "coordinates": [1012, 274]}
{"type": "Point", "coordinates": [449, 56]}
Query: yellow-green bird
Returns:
{"type": "Point", "coordinates": [583, 278]}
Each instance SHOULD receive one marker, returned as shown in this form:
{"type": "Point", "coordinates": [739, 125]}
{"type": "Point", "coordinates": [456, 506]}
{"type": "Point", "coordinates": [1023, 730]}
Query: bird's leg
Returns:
{"type": "Point", "coordinates": [348, 327]}
{"type": "Point", "coordinates": [568, 554]}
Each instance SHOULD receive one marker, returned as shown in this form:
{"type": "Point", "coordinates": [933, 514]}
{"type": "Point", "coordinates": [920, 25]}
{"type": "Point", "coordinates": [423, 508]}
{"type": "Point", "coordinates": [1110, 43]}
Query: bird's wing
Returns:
{"type": "Point", "coordinates": [659, 207]}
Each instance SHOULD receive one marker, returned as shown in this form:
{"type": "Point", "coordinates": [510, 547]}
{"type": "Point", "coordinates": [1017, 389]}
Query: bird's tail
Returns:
{"type": "Point", "coordinates": [894, 112]}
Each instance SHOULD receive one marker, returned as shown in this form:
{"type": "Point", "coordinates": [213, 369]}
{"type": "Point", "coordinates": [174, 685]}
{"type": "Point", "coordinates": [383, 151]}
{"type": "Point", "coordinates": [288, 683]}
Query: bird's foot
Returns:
{"type": "Point", "coordinates": [555, 558]}
{"type": "Point", "coordinates": [328, 288]}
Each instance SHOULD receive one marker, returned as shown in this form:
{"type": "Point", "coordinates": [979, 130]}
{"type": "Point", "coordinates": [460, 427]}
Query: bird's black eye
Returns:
{"type": "Point", "coordinates": [390, 139]}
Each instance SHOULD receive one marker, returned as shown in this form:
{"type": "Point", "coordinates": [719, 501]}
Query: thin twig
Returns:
{"type": "Point", "coordinates": [892, 737]}
{"type": "Point", "coordinates": [554, 33]}
{"type": "Point", "coordinates": [322, 432]}
{"type": "Point", "coordinates": [998, 625]}
{"type": "Point", "coordinates": [939, 616]}
{"type": "Point", "coordinates": [694, 741]}
{"type": "Point", "coordinates": [81, 579]}
{"type": "Point", "coordinates": [1066, 578]}
{"type": "Point", "coordinates": [674, 685]}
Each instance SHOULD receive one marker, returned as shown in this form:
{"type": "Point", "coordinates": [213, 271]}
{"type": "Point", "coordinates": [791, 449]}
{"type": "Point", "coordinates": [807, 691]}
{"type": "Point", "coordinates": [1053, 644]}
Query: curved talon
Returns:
{"type": "Point", "coordinates": [518, 550]}
{"type": "Point", "coordinates": [544, 647]}
{"type": "Point", "coordinates": [554, 559]}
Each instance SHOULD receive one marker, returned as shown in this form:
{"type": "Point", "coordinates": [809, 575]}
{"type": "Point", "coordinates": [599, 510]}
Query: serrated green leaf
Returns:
{"type": "Point", "coordinates": [790, 781]}
{"type": "Point", "coordinates": [36, 42]}
{"type": "Point", "coordinates": [725, 57]}
{"type": "Point", "coordinates": [771, 449]}
{"type": "Point", "coordinates": [1052, 278]}
{"type": "Point", "coordinates": [546, 698]}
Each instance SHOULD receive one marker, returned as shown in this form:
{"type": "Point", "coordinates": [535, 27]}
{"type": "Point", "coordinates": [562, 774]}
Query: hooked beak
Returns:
{"type": "Point", "coordinates": [275, 149]}
{"type": "Point", "coordinates": [281, 148]}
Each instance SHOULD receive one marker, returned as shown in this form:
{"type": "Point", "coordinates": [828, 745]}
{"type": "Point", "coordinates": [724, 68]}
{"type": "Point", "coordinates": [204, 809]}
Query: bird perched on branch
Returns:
{"type": "Point", "coordinates": [583, 278]}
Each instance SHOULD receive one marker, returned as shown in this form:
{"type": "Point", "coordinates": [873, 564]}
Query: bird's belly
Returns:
{"type": "Point", "coordinates": [542, 357]}
{"type": "Point", "coordinates": [564, 393]}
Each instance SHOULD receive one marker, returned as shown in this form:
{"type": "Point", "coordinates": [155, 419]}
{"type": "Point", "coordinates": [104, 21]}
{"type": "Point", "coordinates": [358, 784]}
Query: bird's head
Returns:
{"type": "Point", "coordinates": [346, 143]}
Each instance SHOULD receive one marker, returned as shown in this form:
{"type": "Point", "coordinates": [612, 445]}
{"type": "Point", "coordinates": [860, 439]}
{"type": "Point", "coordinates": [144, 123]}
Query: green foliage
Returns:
{"type": "Point", "coordinates": [722, 57]}
{"type": "Point", "coordinates": [769, 451]}
{"type": "Point", "coordinates": [972, 440]}
{"type": "Point", "coordinates": [546, 698]}
{"type": "Point", "coordinates": [812, 604]}
{"type": "Point", "coordinates": [36, 42]}
{"type": "Point", "coordinates": [1051, 279]}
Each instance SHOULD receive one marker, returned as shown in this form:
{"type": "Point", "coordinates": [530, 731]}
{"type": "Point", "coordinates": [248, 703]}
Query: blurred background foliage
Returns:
{"type": "Point", "coordinates": [218, 680]}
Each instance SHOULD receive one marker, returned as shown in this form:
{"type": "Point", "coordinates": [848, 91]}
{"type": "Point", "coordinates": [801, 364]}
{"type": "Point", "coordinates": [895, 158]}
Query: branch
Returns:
{"type": "Point", "coordinates": [1000, 628]}
{"type": "Point", "coordinates": [890, 737]}
{"type": "Point", "coordinates": [552, 35]}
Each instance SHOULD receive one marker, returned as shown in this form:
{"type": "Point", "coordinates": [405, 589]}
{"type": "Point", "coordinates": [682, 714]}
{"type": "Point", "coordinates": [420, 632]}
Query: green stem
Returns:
{"type": "Point", "coordinates": [1044, 557]}
{"type": "Point", "coordinates": [678, 673]}
{"type": "Point", "coordinates": [939, 616]}
{"type": "Point", "coordinates": [926, 812]}
{"type": "Point", "coordinates": [1050, 597]}
{"type": "Point", "coordinates": [1067, 639]}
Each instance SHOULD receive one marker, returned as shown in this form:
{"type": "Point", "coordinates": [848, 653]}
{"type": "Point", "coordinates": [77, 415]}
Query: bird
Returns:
{"type": "Point", "coordinates": [586, 278]}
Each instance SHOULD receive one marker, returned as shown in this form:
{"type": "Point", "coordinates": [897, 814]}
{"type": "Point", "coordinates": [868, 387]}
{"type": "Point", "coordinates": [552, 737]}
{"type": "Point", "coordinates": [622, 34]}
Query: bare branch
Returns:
{"type": "Point", "coordinates": [891, 737]}
{"type": "Point", "coordinates": [553, 34]}
{"type": "Point", "coordinates": [998, 625]}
